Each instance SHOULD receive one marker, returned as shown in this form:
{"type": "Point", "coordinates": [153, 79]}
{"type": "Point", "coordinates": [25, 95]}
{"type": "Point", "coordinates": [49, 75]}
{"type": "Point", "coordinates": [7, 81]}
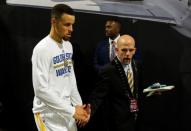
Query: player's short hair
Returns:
{"type": "Point", "coordinates": [59, 9]}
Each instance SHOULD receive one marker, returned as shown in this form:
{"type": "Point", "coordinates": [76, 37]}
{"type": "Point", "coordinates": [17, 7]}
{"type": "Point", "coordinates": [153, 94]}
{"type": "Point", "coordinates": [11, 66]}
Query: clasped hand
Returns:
{"type": "Point", "coordinates": [82, 114]}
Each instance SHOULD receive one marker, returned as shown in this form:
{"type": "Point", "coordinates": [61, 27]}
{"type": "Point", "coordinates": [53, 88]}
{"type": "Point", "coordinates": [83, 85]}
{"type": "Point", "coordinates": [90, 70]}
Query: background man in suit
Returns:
{"type": "Point", "coordinates": [114, 87]}
{"type": "Point", "coordinates": [103, 52]}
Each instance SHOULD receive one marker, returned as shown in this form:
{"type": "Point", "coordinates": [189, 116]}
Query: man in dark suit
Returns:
{"type": "Point", "coordinates": [103, 55]}
{"type": "Point", "coordinates": [121, 93]}
{"type": "Point", "coordinates": [103, 52]}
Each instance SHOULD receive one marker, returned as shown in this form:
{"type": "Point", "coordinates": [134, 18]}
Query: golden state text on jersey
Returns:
{"type": "Point", "coordinates": [62, 64]}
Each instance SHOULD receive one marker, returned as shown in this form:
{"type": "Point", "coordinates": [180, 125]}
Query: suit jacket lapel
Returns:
{"type": "Point", "coordinates": [120, 70]}
{"type": "Point", "coordinates": [135, 76]}
{"type": "Point", "coordinates": [107, 49]}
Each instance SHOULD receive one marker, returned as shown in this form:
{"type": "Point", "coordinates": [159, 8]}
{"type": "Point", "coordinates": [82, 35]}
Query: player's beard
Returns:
{"type": "Point", "coordinates": [66, 38]}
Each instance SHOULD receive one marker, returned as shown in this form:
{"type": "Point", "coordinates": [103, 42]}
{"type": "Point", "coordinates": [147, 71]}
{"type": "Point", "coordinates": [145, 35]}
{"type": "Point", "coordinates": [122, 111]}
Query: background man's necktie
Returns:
{"type": "Point", "coordinates": [130, 79]}
{"type": "Point", "coordinates": [112, 50]}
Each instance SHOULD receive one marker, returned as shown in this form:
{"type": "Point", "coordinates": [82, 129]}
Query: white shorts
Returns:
{"type": "Point", "coordinates": [49, 121]}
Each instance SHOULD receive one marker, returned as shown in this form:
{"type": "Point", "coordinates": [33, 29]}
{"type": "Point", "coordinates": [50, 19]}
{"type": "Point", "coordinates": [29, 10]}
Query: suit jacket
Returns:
{"type": "Point", "coordinates": [114, 88]}
{"type": "Point", "coordinates": [101, 56]}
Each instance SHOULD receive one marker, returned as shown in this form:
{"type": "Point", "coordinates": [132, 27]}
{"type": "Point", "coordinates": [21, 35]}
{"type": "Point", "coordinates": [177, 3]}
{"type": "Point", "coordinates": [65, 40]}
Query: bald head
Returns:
{"type": "Point", "coordinates": [126, 39]}
{"type": "Point", "coordinates": [125, 48]}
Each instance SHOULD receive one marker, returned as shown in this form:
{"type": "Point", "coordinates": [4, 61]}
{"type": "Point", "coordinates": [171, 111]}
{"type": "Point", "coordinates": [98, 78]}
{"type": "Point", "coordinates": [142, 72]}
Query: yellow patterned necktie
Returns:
{"type": "Point", "coordinates": [130, 79]}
